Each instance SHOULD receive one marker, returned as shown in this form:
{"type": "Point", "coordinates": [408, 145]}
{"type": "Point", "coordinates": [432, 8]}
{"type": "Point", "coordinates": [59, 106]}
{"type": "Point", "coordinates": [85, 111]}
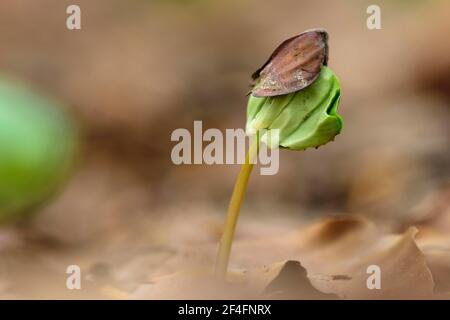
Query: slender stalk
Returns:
{"type": "Point", "coordinates": [233, 211]}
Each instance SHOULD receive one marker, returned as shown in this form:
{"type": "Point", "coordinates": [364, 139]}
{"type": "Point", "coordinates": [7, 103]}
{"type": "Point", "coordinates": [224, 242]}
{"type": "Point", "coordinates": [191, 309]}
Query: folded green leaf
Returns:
{"type": "Point", "coordinates": [306, 118]}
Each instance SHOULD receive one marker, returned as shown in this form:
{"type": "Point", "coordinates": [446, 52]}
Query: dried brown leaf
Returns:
{"type": "Point", "coordinates": [336, 253]}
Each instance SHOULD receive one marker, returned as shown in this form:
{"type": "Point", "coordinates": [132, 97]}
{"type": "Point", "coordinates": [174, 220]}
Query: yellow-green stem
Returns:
{"type": "Point", "coordinates": [233, 211]}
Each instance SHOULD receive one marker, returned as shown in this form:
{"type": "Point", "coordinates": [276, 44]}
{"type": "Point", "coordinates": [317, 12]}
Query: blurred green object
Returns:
{"type": "Point", "coordinates": [38, 144]}
{"type": "Point", "coordinates": [306, 118]}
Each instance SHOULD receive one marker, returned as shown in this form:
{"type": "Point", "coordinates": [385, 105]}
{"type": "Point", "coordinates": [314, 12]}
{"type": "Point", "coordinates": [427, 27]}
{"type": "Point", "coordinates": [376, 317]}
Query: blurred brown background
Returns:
{"type": "Point", "coordinates": [139, 69]}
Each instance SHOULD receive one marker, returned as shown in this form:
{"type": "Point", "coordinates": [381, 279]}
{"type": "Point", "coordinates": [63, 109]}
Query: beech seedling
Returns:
{"type": "Point", "coordinates": [38, 144]}
{"type": "Point", "coordinates": [295, 93]}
